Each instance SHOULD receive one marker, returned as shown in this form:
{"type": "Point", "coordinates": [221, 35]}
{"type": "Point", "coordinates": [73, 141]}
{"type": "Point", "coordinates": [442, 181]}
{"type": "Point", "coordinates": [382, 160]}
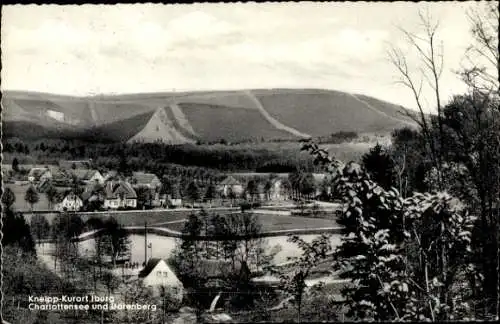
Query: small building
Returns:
{"type": "Point", "coordinates": [277, 191]}
{"type": "Point", "coordinates": [165, 200]}
{"type": "Point", "coordinates": [61, 177]}
{"type": "Point", "coordinates": [157, 274]}
{"type": "Point", "coordinates": [71, 202]}
{"type": "Point", "coordinates": [119, 194]}
{"type": "Point", "coordinates": [88, 176]}
{"type": "Point", "coordinates": [230, 184]}
{"type": "Point", "coordinates": [174, 202]}
{"type": "Point", "coordinates": [39, 174]}
{"type": "Point", "coordinates": [142, 179]}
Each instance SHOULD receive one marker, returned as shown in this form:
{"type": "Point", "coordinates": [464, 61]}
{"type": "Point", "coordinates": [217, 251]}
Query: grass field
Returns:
{"type": "Point", "coordinates": [272, 222]}
{"type": "Point", "coordinates": [21, 204]}
{"type": "Point", "coordinates": [218, 122]}
{"type": "Point", "coordinates": [137, 218]}
{"type": "Point", "coordinates": [320, 113]}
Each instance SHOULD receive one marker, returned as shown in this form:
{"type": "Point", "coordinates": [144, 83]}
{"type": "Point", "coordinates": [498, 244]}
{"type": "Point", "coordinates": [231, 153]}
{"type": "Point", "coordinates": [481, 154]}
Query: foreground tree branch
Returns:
{"type": "Point", "coordinates": [430, 55]}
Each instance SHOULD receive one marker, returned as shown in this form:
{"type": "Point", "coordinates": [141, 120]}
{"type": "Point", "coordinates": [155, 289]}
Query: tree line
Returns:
{"type": "Point", "coordinates": [156, 156]}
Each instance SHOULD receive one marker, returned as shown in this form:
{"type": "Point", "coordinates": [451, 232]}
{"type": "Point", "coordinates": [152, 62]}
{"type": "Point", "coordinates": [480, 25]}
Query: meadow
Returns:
{"type": "Point", "coordinates": [273, 222]}
{"type": "Point", "coordinates": [20, 204]}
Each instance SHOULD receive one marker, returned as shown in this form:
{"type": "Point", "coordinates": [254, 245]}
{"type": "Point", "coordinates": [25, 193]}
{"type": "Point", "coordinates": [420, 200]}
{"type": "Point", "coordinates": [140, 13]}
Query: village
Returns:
{"type": "Point", "coordinates": [269, 205]}
{"type": "Point", "coordinates": [76, 186]}
{"type": "Point", "coordinates": [193, 164]}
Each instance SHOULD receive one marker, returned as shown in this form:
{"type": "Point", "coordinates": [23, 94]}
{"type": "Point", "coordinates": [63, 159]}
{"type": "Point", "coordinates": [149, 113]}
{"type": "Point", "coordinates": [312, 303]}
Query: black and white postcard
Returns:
{"type": "Point", "coordinates": [250, 162]}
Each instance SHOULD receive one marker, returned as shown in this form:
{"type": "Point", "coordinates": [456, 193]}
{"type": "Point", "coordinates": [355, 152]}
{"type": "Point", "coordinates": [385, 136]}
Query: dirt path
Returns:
{"type": "Point", "coordinates": [271, 119]}
{"type": "Point", "coordinates": [369, 106]}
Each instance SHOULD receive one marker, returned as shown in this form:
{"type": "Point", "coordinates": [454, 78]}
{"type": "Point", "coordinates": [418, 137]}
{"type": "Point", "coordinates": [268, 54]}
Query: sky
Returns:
{"type": "Point", "coordinates": [98, 49]}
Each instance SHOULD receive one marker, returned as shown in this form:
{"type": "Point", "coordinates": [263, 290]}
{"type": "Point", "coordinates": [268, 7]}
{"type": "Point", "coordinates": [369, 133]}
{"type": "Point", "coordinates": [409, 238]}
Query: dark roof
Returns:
{"type": "Point", "coordinates": [59, 173]}
{"type": "Point", "coordinates": [114, 188]}
{"type": "Point", "coordinates": [83, 174]}
{"type": "Point", "coordinates": [37, 172]}
{"type": "Point", "coordinates": [44, 186]}
{"type": "Point", "coordinates": [149, 267]}
{"type": "Point", "coordinates": [143, 178]}
{"type": "Point", "coordinates": [89, 195]}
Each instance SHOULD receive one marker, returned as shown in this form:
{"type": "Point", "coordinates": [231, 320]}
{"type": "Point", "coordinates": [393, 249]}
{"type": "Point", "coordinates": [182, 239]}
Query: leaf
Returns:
{"type": "Point", "coordinates": [388, 247]}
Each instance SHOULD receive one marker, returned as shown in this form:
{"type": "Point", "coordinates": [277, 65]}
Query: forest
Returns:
{"type": "Point", "coordinates": [154, 156]}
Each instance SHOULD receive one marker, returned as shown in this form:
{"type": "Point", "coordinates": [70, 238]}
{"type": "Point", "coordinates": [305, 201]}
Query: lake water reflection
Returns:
{"type": "Point", "coordinates": [162, 246]}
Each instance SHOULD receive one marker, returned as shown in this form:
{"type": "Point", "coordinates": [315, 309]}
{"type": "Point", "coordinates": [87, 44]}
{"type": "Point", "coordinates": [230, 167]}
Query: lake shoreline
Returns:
{"type": "Point", "coordinates": [161, 231]}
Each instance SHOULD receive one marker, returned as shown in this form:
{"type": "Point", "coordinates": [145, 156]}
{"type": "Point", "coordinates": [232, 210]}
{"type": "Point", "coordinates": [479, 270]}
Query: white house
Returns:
{"type": "Point", "coordinates": [119, 194]}
{"type": "Point", "coordinates": [70, 203]}
{"type": "Point", "coordinates": [157, 274]}
{"type": "Point", "coordinates": [230, 184]}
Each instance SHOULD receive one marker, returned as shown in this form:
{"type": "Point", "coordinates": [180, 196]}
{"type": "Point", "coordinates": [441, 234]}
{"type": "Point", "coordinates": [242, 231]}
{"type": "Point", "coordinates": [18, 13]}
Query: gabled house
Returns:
{"type": "Point", "coordinates": [71, 202]}
{"type": "Point", "coordinates": [142, 179]}
{"type": "Point", "coordinates": [61, 177]}
{"type": "Point", "coordinates": [157, 274]}
{"type": "Point", "coordinates": [93, 196]}
{"type": "Point", "coordinates": [149, 181]}
{"type": "Point", "coordinates": [39, 174]}
{"type": "Point", "coordinates": [88, 176]}
{"type": "Point", "coordinates": [119, 194]}
{"type": "Point", "coordinates": [230, 184]}
{"type": "Point", "coordinates": [44, 185]}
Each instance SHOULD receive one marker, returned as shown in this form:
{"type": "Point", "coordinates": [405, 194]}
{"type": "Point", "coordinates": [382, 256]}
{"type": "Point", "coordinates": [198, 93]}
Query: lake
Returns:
{"type": "Point", "coordinates": [162, 246]}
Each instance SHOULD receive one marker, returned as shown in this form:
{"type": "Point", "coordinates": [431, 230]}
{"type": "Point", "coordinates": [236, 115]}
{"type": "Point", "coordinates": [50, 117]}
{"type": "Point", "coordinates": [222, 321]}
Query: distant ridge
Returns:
{"type": "Point", "coordinates": [188, 117]}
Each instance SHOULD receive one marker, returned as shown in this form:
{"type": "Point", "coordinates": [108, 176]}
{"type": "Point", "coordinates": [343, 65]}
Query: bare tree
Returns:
{"type": "Point", "coordinates": [480, 71]}
{"type": "Point", "coordinates": [429, 50]}
{"type": "Point", "coordinates": [482, 59]}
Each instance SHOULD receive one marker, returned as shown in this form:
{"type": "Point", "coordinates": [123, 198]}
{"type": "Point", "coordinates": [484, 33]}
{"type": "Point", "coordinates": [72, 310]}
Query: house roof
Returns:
{"type": "Point", "coordinates": [37, 172]}
{"type": "Point", "coordinates": [60, 174]}
{"type": "Point", "coordinates": [71, 195]}
{"type": "Point", "coordinates": [84, 174]}
{"type": "Point", "coordinates": [142, 178]}
{"type": "Point", "coordinates": [149, 267]}
{"type": "Point", "coordinates": [152, 263]}
{"type": "Point", "coordinates": [274, 181]}
{"type": "Point", "coordinates": [44, 185]}
{"type": "Point", "coordinates": [89, 195]}
{"type": "Point", "coordinates": [230, 181]}
{"type": "Point", "coordinates": [110, 174]}
{"type": "Point", "coordinates": [115, 188]}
